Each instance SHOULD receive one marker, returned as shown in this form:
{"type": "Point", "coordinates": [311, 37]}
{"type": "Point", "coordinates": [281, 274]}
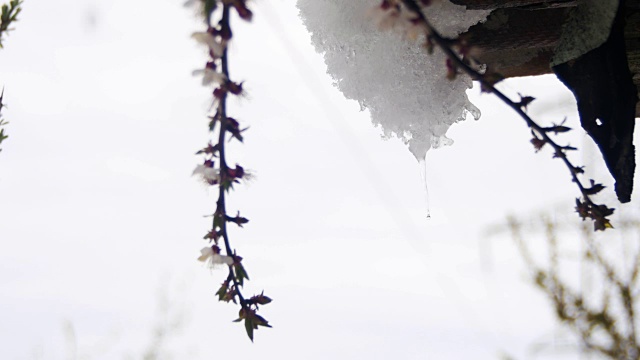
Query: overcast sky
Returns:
{"type": "Point", "coordinates": [100, 220]}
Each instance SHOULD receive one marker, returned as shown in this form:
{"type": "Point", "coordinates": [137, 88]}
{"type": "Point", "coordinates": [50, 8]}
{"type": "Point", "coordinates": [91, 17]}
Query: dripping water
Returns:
{"type": "Point", "coordinates": [423, 174]}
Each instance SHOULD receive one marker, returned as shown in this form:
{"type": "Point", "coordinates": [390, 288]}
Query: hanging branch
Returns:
{"type": "Point", "coordinates": [215, 171]}
{"type": "Point", "coordinates": [410, 16]}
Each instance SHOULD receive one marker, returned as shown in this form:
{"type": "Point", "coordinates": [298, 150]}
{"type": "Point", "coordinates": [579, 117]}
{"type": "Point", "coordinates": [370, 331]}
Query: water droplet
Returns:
{"type": "Point", "coordinates": [423, 174]}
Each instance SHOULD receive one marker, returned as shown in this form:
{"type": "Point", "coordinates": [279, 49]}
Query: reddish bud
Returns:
{"type": "Point", "coordinates": [243, 11]}
{"type": "Point", "coordinates": [538, 143]}
{"type": "Point", "coordinates": [234, 128]}
{"type": "Point", "coordinates": [218, 93]}
{"type": "Point", "coordinates": [236, 173]}
{"type": "Point", "coordinates": [225, 33]}
{"type": "Point", "coordinates": [234, 88]}
{"type": "Point", "coordinates": [212, 235]}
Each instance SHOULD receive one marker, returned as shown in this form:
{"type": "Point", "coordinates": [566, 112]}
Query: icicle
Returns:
{"type": "Point", "coordinates": [423, 174]}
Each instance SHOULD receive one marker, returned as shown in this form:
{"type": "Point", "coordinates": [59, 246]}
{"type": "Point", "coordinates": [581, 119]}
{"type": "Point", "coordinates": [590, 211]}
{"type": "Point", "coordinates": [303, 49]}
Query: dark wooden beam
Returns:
{"type": "Point", "coordinates": [523, 4]}
{"type": "Point", "coordinates": [606, 95]}
{"type": "Point", "coordinates": [516, 42]}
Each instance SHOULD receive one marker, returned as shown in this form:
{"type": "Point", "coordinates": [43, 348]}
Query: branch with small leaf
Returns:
{"type": "Point", "coordinates": [409, 15]}
{"type": "Point", "coordinates": [215, 171]}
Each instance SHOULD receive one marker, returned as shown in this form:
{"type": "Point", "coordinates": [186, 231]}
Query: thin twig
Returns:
{"type": "Point", "coordinates": [222, 113]}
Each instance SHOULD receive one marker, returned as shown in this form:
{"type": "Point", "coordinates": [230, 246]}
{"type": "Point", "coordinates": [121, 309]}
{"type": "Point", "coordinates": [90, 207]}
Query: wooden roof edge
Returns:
{"type": "Point", "coordinates": [522, 4]}
{"type": "Point", "coordinates": [528, 4]}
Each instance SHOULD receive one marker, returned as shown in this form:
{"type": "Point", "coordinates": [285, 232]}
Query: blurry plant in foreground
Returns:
{"type": "Point", "coordinates": [602, 312]}
{"type": "Point", "coordinates": [8, 16]}
{"type": "Point", "coordinates": [215, 171]}
{"type": "Point", "coordinates": [161, 336]}
{"type": "Point", "coordinates": [2, 121]}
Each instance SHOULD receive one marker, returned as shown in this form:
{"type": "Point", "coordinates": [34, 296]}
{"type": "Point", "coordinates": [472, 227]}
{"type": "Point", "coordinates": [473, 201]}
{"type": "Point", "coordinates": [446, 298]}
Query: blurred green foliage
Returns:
{"type": "Point", "coordinates": [602, 312]}
{"type": "Point", "coordinates": [9, 15]}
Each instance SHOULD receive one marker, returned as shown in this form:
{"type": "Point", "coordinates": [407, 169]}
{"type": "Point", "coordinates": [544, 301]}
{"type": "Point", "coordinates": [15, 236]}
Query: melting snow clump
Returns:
{"type": "Point", "coordinates": [405, 89]}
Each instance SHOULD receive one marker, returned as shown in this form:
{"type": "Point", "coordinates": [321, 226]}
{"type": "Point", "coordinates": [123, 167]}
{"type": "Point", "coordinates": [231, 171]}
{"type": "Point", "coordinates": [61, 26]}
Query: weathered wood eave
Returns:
{"type": "Point", "coordinates": [536, 25]}
{"type": "Point", "coordinates": [520, 37]}
{"type": "Point", "coordinates": [505, 4]}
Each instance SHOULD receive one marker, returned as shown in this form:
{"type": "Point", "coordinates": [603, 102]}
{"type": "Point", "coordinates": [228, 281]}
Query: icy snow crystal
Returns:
{"type": "Point", "coordinates": [404, 88]}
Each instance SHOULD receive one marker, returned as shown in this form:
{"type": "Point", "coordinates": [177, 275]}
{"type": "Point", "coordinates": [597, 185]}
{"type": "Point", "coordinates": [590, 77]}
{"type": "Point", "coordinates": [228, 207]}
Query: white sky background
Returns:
{"type": "Point", "coordinates": [99, 216]}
